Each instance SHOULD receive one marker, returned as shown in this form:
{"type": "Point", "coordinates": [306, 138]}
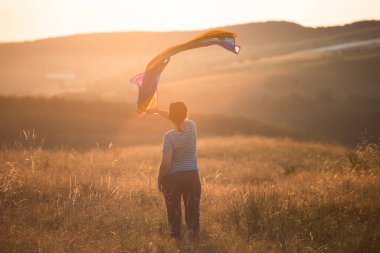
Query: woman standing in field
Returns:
{"type": "Point", "coordinates": [178, 175]}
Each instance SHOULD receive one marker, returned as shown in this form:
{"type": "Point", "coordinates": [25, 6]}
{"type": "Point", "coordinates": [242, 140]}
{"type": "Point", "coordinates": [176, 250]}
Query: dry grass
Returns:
{"type": "Point", "coordinates": [258, 195]}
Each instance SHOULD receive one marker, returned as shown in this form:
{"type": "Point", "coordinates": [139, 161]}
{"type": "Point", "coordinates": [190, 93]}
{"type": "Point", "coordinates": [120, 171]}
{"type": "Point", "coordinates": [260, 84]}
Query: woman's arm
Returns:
{"type": "Point", "coordinates": [163, 113]}
{"type": "Point", "coordinates": [164, 167]}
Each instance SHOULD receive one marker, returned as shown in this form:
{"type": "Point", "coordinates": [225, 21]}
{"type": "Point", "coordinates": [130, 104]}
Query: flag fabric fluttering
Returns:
{"type": "Point", "coordinates": [147, 82]}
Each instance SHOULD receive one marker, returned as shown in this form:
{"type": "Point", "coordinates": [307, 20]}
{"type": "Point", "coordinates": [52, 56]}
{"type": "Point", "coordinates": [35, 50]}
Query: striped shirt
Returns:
{"type": "Point", "coordinates": [184, 147]}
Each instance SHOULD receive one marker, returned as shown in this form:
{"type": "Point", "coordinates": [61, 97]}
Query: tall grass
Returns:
{"type": "Point", "coordinates": [258, 195]}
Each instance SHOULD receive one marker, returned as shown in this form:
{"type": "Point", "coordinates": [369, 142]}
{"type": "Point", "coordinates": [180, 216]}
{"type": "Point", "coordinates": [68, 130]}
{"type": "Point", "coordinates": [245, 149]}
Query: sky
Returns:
{"type": "Point", "coordinates": [33, 19]}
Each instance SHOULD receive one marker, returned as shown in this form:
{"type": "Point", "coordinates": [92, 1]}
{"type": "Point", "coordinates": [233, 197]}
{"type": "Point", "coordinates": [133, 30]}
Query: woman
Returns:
{"type": "Point", "coordinates": [178, 174]}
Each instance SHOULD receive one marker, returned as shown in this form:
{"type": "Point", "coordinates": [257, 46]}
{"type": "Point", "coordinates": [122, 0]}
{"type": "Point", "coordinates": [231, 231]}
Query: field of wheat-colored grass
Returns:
{"type": "Point", "coordinates": [258, 195]}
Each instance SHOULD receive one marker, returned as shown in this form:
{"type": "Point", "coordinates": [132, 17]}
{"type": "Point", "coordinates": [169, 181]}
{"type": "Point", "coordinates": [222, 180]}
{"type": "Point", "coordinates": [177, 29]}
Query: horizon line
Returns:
{"type": "Point", "coordinates": [179, 30]}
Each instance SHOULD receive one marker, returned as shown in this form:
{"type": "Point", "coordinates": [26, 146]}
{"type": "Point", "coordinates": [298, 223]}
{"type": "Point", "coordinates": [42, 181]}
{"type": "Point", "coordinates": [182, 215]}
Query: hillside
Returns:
{"type": "Point", "coordinates": [277, 79]}
{"type": "Point", "coordinates": [67, 123]}
{"type": "Point", "coordinates": [92, 57]}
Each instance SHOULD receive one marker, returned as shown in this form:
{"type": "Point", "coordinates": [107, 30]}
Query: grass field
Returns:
{"type": "Point", "coordinates": [258, 195]}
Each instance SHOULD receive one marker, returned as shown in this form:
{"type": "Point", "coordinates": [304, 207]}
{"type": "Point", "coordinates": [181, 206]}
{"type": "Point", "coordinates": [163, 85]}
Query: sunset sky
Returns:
{"type": "Point", "coordinates": [32, 19]}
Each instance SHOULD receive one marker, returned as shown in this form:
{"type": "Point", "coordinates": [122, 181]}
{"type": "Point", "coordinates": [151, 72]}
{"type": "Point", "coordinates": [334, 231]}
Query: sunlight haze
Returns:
{"type": "Point", "coordinates": [33, 19]}
{"type": "Point", "coordinates": [140, 126]}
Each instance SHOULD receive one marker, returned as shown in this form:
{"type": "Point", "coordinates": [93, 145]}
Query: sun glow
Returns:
{"type": "Point", "coordinates": [30, 19]}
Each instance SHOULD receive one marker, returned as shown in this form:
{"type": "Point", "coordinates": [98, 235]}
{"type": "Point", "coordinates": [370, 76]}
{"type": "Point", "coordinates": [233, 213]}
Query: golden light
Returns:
{"type": "Point", "coordinates": [31, 19]}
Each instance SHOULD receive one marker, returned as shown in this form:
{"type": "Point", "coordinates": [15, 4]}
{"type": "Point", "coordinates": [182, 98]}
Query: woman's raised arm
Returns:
{"type": "Point", "coordinates": [163, 113]}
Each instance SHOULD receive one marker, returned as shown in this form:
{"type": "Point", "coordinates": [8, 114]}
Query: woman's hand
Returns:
{"type": "Point", "coordinates": [153, 110]}
{"type": "Point", "coordinates": [156, 110]}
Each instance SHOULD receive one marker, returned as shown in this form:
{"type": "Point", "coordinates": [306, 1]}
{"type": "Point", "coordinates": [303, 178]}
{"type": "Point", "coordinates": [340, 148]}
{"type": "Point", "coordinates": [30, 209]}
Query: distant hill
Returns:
{"type": "Point", "coordinates": [91, 57]}
{"type": "Point", "coordinates": [276, 79]}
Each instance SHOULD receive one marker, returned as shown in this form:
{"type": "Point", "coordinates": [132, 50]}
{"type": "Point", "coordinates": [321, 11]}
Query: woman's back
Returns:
{"type": "Point", "coordinates": [183, 145]}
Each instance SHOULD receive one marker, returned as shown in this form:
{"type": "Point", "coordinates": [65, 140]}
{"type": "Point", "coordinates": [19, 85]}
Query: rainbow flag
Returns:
{"type": "Point", "coordinates": [148, 81]}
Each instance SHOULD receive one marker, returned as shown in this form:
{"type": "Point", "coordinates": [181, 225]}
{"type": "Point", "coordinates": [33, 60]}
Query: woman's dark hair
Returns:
{"type": "Point", "coordinates": [177, 113]}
